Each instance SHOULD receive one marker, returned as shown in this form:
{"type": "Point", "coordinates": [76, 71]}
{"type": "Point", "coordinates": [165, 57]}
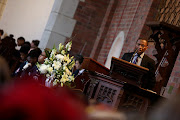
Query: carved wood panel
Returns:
{"type": "Point", "coordinates": [167, 39]}
{"type": "Point", "coordinates": [107, 93]}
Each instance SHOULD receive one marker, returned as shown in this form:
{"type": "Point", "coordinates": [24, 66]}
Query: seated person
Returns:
{"type": "Point", "coordinates": [23, 54]}
{"type": "Point", "coordinates": [23, 57]}
{"type": "Point", "coordinates": [8, 48]}
{"type": "Point", "coordinates": [20, 42]}
{"type": "Point", "coordinates": [27, 100]}
{"type": "Point", "coordinates": [78, 62]}
{"type": "Point", "coordinates": [140, 58]}
{"type": "Point", "coordinates": [34, 44]}
{"type": "Point", "coordinates": [4, 72]}
{"type": "Point", "coordinates": [42, 56]}
{"type": "Point", "coordinates": [1, 34]}
{"type": "Point", "coordinates": [27, 43]}
{"type": "Point", "coordinates": [38, 50]}
{"type": "Point", "coordinates": [30, 69]}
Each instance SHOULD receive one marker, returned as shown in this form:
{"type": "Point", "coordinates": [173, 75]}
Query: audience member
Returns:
{"type": "Point", "coordinates": [27, 43]}
{"type": "Point", "coordinates": [27, 100]}
{"type": "Point", "coordinates": [24, 52]}
{"type": "Point", "coordinates": [168, 109]}
{"type": "Point", "coordinates": [1, 34]}
{"type": "Point", "coordinates": [42, 56]}
{"type": "Point", "coordinates": [20, 42]}
{"type": "Point", "coordinates": [38, 50]}
{"type": "Point", "coordinates": [100, 111]}
{"type": "Point", "coordinates": [7, 48]}
{"type": "Point", "coordinates": [30, 68]}
{"type": "Point", "coordinates": [34, 44]}
{"type": "Point", "coordinates": [4, 72]}
{"type": "Point", "coordinates": [78, 63]}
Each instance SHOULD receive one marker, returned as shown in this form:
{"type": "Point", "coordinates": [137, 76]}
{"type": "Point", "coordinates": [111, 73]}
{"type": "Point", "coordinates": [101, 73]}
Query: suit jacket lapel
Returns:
{"type": "Point", "coordinates": [130, 56]}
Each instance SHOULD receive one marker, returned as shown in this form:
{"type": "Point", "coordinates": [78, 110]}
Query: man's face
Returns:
{"type": "Point", "coordinates": [77, 64]}
{"type": "Point", "coordinates": [20, 42]}
{"type": "Point", "coordinates": [42, 57]}
{"type": "Point", "coordinates": [32, 45]}
{"type": "Point", "coordinates": [141, 45]}
{"type": "Point", "coordinates": [23, 56]}
{"type": "Point", "coordinates": [32, 60]}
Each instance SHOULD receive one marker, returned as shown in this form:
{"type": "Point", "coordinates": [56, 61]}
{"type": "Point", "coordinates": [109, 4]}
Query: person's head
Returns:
{"type": "Point", "coordinates": [141, 46]}
{"type": "Point", "coordinates": [33, 57]}
{"type": "Point", "coordinates": [166, 109]}
{"type": "Point", "coordinates": [34, 43]}
{"type": "Point", "coordinates": [11, 36]}
{"type": "Point", "coordinates": [38, 50]}
{"type": "Point", "coordinates": [27, 43]}
{"type": "Point", "coordinates": [24, 51]}
{"type": "Point", "coordinates": [4, 72]}
{"type": "Point", "coordinates": [42, 56]}
{"type": "Point", "coordinates": [78, 61]}
{"type": "Point", "coordinates": [1, 33]}
{"type": "Point", "coordinates": [20, 41]}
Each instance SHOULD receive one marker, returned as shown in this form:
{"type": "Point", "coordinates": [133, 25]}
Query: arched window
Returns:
{"type": "Point", "coordinates": [116, 48]}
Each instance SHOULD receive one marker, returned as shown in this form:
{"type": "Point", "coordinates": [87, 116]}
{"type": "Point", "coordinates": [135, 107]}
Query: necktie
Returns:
{"type": "Point", "coordinates": [135, 59]}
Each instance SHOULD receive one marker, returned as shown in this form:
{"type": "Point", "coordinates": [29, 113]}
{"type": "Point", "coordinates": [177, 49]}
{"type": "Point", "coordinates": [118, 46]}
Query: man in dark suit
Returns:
{"type": "Point", "coordinates": [138, 57]}
{"type": "Point", "coordinates": [78, 62]}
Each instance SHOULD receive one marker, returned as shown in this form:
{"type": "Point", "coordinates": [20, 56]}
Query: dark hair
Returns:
{"type": "Point", "coordinates": [36, 42]}
{"type": "Point", "coordinates": [21, 38]}
{"type": "Point", "coordinates": [11, 36]}
{"type": "Point", "coordinates": [142, 39]}
{"type": "Point", "coordinates": [4, 71]}
{"type": "Point", "coordinates": [79, 58]}
{"type": "Point", "coordinates": [24, 49]}
{"type": "Point", "coordinates": [2, 32]}
{"type": "Point", "coordinates": [33, 54]}
{"type": "Point", "coordinates": [27, 43]}
{"type": "Point", "coordinates": [38, 50]}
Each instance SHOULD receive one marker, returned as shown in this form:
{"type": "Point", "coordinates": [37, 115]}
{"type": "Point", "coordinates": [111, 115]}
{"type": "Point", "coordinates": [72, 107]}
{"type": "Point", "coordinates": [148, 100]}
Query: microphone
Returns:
{"type": "Point", "coordinates": [134, 55]}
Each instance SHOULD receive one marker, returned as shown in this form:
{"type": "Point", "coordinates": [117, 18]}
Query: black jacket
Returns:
{"type": "Point", "coordinates": [149, 79]}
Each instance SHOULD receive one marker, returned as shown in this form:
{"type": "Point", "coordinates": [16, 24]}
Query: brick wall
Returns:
{"type": "Point", "coordinates": [89, 16]}
{"type": "Point", "coordinates": [173, 85]}
{"type": "Point", "coordinates": [146, 31]}
{"type": "Point", "coordinates": [130, 16]}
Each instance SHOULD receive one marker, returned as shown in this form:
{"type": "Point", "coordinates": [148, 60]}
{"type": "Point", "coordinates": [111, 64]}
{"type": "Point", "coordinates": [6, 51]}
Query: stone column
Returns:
{"type": "Point", "coordinates": [2, 6]}
{"type": "Point", "coordinates": [60, 24]}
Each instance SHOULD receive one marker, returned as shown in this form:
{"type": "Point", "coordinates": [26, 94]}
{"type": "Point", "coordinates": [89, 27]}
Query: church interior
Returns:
{"type": "Point", "coordinates": [90, 59]}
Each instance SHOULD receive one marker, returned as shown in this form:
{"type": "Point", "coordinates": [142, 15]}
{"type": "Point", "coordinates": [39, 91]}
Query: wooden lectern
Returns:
{"type": "Point", "coordinates": [82, 81]}
{"type": "Point", "coordinates": [120, 88]}
{"type": "Point", "coordinates": [127, 72]}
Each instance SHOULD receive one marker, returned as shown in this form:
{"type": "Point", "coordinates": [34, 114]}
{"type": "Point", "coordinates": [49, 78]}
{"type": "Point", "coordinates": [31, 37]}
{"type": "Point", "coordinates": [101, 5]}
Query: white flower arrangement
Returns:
{"type": "Point", "coordinates": [58, 65]}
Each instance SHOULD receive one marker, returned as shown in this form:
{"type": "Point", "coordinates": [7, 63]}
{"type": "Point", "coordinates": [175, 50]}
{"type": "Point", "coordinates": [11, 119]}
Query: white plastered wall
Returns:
{"type": "Point", "coordinates": [26, 18]}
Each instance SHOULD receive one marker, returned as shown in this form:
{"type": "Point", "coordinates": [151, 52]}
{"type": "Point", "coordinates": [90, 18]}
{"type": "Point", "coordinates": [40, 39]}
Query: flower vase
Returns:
{"type": "Point", "coordinates": [49, 80]}
{"type": "Point", "coordinates": [49, 83]}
